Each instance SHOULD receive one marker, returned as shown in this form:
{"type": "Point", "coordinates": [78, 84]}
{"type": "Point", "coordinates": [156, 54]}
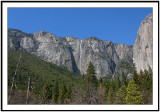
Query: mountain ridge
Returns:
{"type": "Point", "coordinates": [91, 37]}
{"type": "Point", "coordinates": [75, 54]}
{"type": "Point", "coordinates": [69, 51]}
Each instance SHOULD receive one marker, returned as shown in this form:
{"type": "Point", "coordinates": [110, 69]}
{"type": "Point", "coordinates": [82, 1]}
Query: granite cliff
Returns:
{"type": "Point", "coordinates": [108, 58]}
{"type": "Point", "coordinates": [142, 49]}
{"type": "Point", "coordinates": [70, 52]}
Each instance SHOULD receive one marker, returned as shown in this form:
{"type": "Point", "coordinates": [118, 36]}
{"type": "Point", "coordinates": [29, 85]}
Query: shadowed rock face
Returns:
{"type": "Point", "coordinates": [142, 49]}
{"type": "Point", "coordinates": [70, 52]}
{"type": "Point", "coordinates": [103, 54]}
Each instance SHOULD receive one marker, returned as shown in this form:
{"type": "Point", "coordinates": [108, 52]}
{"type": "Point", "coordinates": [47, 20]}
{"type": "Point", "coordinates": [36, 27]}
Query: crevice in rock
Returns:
{"type": "Point", "coordinates": [74, 65]}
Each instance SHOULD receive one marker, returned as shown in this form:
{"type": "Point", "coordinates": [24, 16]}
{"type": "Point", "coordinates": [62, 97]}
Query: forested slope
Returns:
{"type": "Point", "coordinates": [40, 82]}
{"type": "Point", "coordinates": [39, 72]}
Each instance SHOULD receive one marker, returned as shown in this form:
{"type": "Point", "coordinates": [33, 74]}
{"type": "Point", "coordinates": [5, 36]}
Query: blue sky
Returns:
{"type": "Point", "coordinates": [119, 25]}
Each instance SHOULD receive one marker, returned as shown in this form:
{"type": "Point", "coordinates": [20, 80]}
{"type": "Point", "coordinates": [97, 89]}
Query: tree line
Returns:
{"type": "Point", "coordinates": [137, 90]}
{"type": "Point", "coordinates": [56, 85]}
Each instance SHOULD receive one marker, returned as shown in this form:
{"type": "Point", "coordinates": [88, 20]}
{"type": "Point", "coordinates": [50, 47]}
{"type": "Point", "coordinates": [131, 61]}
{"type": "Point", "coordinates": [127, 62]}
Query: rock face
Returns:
{"type": "Point", "coordinates": [72, 53]}
{"type": "Point", "coordinates": [75, 54]}
{"type": "Point", "coordinates": [142, 49]}
{"type": "Point", "coordinates": [126, 66]}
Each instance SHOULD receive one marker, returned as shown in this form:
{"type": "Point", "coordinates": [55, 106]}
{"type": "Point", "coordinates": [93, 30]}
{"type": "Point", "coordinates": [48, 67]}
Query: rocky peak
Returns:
{"type": "Point", "coordinates": [45, 37]}
{"type": "Point", "coordinates": [18, 33]}
{"type": "Point", "coordinates": [42, 33]}
{"type": "Point", "coordinates": [148, 19]}
{"type": "Point", "coordinates": [70, 38]}
{"type": "Point", "coordinates": [92, 38]}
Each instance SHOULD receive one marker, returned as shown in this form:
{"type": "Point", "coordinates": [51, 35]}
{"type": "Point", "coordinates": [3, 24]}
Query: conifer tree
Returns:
{"type": "Point", "coordinates": [124, 79]}
{"type": "Point", "coordinates": [118, 83]}
{"type": "Point", "coordinates": [89, 86]}
{"type": "Point", "coordinates": [147, 80]}
{"type": "Point", "coordinates": [47, 92]}
{"type": "Point", "coordinates": [62, 92]}
{"type": "Point", "coordinates": [55, 93]}
{"type": "Point", "coordinates": [141, 73]}
{"type": "Point", "coordinates": [91, 69]}
{"type": "Point", "coordinates": [121, 95]}
{"type": "Point", "coordinates": [68, 93]}
{"type": "Point", "coordinates": [111, 94]}
{"type": "Point", "coordinates": [90, 75]}
{"type": "Point", "coordinates": [106, 89]}
{"type": "Point", "coordinates": [133, 94]}
{"type": "Point", "coordinates": [135, 77]}
{"type": "Point", "coordinates": [146, 85]}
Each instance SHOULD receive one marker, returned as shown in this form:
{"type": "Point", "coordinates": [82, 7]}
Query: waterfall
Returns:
{"type": "Point", "coordinates": [80, 55]}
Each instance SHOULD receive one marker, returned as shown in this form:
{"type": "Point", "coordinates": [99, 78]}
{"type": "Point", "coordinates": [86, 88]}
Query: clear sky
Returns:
{"type": "Point", "coordinates": [119, 25]}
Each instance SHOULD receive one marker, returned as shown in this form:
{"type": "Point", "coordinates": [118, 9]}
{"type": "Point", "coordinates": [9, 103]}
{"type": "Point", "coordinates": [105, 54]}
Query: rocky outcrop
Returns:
{"type": "Point", "coordinates": [125, 66]}
{"type": "Point", "coordinates": [103, 54]}
{"type": "Point", "coordinates": [51, 49]}
{"type": "Point", "coordinates": [70, 52]}
{"type": "Point", "coordinates": [142, 49]}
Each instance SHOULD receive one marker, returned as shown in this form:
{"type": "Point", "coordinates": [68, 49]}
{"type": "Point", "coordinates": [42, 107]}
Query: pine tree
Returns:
{"type": "Point", "coordinates": [89, 86]}
{"type": "Point", "coordinates": [147, 80]}
{"type": "Point", "coordinates": [106, 89]}
{"type": "Point", "coordinates": [124, 79]}
{"type": "Point", "coordinates": [121, 95]}
{"type": "Point", "coordinates": [46, 93]}
{"type": "Point", "coordinates": [68, 93]}
{"type": "Point", "coordinates": [150, 71]}
{"type": "Point", "coordinates": [147, 86]}
{"type": "Point", "coordinates": [118, 83]}
{"type": "Point", "coordinates": [141, 73]}
{"type": "Point", "coordinates": [135, 77]}
{"type": "Point", "coordinates": [91, 69]}
{"type": "Point", "coordinates": [100, 81]}
{"type": "Point", "coordinates": [62, 92]}
{"type": "Point", "coordinates": [111, 94]}
{"type": "Point", "coordinates": [133, 94]}
{"type": "Point", "coordinates": [55, 93]}
{"type": "Point", "coordinates": [91, 78]}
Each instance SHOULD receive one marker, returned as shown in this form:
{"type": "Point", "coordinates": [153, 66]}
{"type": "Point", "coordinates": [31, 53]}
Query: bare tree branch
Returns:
{"type": "Point", "coordinates": [28, 90]}
{"type": "Point", "coordinates": [14, 77]}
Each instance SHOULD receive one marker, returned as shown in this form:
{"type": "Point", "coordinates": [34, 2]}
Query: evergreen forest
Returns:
{"type": "Point", "coordinates": [35, 81]}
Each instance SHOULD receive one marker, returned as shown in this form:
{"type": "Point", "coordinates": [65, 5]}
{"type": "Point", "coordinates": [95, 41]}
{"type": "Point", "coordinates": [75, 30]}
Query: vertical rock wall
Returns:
{"type": "Point", "coordinates": [143, 46]}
